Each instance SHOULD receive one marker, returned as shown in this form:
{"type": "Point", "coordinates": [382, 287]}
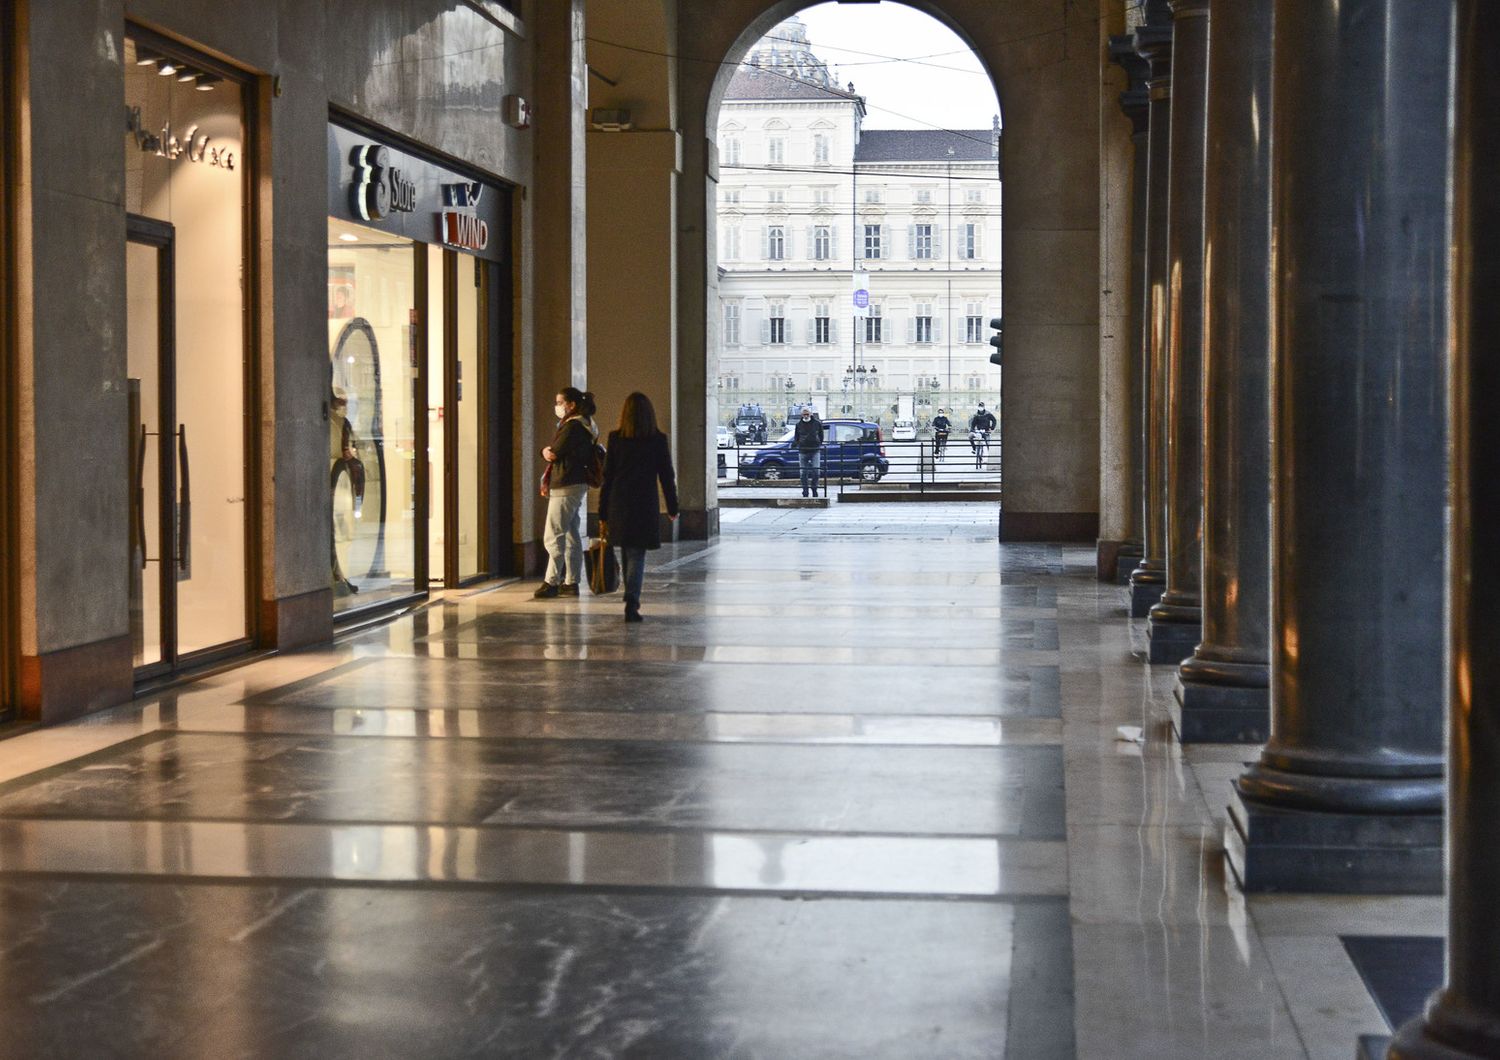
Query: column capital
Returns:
{"type": "Point", "coordinates": [1154, 44]}
{"type": "Point", "coordinates": [1189, 9]}
{"type": "Point", "coordinates": [1135, 101]}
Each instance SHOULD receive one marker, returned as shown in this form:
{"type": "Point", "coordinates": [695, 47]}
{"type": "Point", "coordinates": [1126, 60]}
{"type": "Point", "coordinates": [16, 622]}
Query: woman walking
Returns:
{"type": "Point", "coordinates": [636, 459]}
{"type": "Point", "coordinates": [566, 486]}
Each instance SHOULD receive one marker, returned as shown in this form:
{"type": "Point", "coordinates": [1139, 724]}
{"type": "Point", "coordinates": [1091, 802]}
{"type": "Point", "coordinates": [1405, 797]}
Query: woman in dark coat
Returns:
{"type": "Point", "coordinates": [636, 459]}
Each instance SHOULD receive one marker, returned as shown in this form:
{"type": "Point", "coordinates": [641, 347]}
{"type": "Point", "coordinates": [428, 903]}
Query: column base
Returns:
{"type": "Point", "coordinates": [1445, 1032]}
{"type": "Point", "coordinates": [1146, 586]}
{"type": "Point", "coordinates": [1175, 632]}
{"type": "Point", "coordinates": [1125, 566]}
{"type": "Point", "coordinates": [1222, 702]}
{"type": "Point", "coordinates": [1274, 850]}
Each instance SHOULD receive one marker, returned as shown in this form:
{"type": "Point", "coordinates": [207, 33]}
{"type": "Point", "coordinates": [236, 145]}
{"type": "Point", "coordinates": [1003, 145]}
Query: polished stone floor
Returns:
{"type": "Point", "coordinates": [855, 789]}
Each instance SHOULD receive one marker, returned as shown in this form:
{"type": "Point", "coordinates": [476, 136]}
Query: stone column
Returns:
{"type": "Point", "coordinates": [1153, 42]}
{"type": "Point", "coordinates": [1463, 1019]}
{"type": "Point", "coordinates": [1225, 695]}
{"type": "Point", "coordinates": [556, 238]}
{"type": "Point", "coordinates": [1122, 381]}
{"type": "Point", "coordinates": [1347, 795]}
{"type": "Point", "coordinates": [1176, 620]}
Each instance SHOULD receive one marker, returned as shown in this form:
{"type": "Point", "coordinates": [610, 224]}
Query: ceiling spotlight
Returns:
{"type": "Point", "coordinates": [145, 58]}
{"type": "Point", "coordinates": [349, 237]}
{"type": "Point", "coordinates": [206, 82]}
{"type": "Point", "coordinates": [187, 74]}
{"type": "Point", "coordinates": [168, 68]}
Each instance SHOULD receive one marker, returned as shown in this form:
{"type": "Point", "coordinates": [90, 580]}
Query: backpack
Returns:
{"type": "Point", "coordinates": [593, 471]}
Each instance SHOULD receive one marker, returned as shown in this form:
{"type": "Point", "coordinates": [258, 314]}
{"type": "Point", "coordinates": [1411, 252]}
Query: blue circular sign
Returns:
{"type": "Point", "coordinates": [862, 299]}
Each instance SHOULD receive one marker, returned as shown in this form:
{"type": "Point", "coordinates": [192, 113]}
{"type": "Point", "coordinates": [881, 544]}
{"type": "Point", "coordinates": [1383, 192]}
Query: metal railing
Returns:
{"type": "Point", "coordinates": [956, 464]}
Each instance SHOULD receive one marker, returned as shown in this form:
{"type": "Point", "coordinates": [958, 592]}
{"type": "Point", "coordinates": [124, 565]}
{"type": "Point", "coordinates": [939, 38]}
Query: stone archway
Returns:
{"type": "Point", "coordinates": [1043, 60]}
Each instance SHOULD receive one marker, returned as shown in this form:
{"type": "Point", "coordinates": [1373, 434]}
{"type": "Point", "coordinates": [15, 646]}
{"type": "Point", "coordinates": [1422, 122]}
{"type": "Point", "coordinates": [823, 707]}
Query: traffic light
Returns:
{"type": "Point", "coordinates": [997, 340]}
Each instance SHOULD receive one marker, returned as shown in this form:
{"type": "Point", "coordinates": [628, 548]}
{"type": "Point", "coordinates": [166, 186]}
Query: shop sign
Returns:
{"type": "Point", "coordinates": [401, 192]}
{"type": "Point", "coordinates": [379, 188]}
{"type": "Point", "coordinates": [197, 146]}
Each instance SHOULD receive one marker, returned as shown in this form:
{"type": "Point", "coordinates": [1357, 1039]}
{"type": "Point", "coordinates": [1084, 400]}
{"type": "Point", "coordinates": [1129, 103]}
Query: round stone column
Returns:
{"type": "Point", "coordinates": [1153, 42]}
{"type": "Point", "coordinates": [1463, 1019]}
{"type": "Point", "coordinates": [1347, 795]}
{"type": "Point", "coordinates": [1225, 696]}
{"type": "Point", "coordinates": [1176, 620]}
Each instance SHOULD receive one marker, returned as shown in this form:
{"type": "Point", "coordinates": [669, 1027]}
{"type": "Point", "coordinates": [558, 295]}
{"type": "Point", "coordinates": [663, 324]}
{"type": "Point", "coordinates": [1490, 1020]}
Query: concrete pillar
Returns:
{"type": "Point", "coordinates": [1176, 620]}
{"type": "Point", "coordinates": [558, 237]}
{"type": "Point", "coordinates": [1463, 1018]}
{"type": "Point", "coordinates": [1225, 695]}
{"type": "Point", "coordinates": [72, 484]}
{"type": "Point", "coordinates": [1347, 795]}
{"type": "Point", "coordinates": [1153, 42]}
{"type": "Point", "coordinates": [632, 281]}
{"type": "Point", "coordinates": [1122, 243]}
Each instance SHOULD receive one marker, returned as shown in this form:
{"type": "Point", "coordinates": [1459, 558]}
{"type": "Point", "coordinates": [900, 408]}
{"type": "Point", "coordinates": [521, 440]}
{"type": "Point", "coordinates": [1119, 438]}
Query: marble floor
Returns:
{"type": "Point", "coordinates": [854, 789]}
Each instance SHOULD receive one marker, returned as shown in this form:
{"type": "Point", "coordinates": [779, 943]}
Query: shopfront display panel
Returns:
{"type": "Point", "coordinates": [373, 441]}
{"type": "Point", "coordinates": [185, 170]}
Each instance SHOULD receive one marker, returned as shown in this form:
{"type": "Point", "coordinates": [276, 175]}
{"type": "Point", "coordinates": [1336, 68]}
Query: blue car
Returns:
{"type": "Point", "coordinates": [850, 448]}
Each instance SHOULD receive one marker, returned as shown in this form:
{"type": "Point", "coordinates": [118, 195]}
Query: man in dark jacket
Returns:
{"type": "Point", "coordinates": [808, 441]}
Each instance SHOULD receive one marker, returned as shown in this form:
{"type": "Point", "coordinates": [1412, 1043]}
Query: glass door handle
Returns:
{"type": "Point", "coordinates": [138, 495]}
{"type": "Point", "coordinates": [184, 508]}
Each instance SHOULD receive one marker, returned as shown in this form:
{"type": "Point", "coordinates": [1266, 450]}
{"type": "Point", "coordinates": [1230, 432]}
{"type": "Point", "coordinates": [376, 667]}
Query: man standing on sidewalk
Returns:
{"type": "Point", "coordinates": [808, 441]}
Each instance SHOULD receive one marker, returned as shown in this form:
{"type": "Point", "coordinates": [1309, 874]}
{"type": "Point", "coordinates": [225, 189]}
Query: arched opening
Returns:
{"type": "Point", "coordinates": [854, 246]}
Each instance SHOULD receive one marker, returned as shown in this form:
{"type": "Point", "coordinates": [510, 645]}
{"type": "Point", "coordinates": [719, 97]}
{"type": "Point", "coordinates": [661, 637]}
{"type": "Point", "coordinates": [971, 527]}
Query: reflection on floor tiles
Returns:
{"type": "Point", "coordinates": [901, 730]}
{"type": "Point", "coordinates": [821, 788]}
{"type": "Point", "coordinates": [361, 972]}
{"type": "Point", "coordinates": [761, 861]}
{"type": "Point", "coordinates": [848, 792]}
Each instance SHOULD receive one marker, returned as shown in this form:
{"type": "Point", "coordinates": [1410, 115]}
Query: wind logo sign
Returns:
{"type": "Point", "coordinates": [461, 229]}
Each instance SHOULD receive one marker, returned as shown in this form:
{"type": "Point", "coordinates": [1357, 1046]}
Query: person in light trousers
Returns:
{"type": "Point", "coordinates": [637, 457]}
{"type": "Point", "coordinates": [567, 487]}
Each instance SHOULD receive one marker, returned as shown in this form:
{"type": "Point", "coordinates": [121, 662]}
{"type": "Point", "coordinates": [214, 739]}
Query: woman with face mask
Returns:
{"type": "Point", "coordinates": [567, 487]}
{"type": "Point", "coordinates": [638, 459]}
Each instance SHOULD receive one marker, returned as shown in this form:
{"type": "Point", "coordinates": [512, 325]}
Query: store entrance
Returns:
{"type": "Point", "coordinates": [457, 380]}
{"type": "Point", "coordinates": [180, 611]}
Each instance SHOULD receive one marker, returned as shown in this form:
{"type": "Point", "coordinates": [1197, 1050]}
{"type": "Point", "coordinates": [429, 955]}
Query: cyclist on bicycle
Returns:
{"type": "Point", "coordinates": [941, 425]}
{"type": "Point", "coordinates": [980, 426]}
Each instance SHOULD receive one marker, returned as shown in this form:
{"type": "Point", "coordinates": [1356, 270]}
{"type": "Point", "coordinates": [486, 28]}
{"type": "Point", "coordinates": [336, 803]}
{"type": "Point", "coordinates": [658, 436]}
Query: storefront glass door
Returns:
{"type": "Point", "coordinates": [187, 328]}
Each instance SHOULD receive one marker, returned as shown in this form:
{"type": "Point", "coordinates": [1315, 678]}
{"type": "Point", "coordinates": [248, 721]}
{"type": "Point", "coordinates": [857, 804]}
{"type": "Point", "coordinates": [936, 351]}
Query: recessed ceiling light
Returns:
{"type": "Point", "coordinates": [145, 58]}
{"type": "Point", "coordinates": [206, 82]}
{"type": "Point", "coordinates": [187, 74]}
{"type": "Point", "coordinates": [168, 68]}
{"type": "Point", "coordinates": [349, 237]}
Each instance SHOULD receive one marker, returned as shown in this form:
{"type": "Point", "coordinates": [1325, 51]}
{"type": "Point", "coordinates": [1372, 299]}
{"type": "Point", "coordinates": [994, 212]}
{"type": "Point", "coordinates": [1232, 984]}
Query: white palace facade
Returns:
{"type": "Point", "coordinates": [812, 206]}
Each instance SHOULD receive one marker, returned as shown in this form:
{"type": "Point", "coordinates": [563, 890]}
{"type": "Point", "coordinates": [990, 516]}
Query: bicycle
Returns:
{"type": "Point", "coordinates": [979, 441]}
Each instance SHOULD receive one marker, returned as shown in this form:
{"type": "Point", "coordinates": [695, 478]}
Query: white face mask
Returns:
{"type": "Point", "coordinates": [561, 410]}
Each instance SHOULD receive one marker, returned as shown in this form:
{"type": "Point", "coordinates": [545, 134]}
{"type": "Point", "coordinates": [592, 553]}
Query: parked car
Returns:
{"type": "Point", "coordinates": [904, 431]}
{"type": "Point", "coordinates": [724, 435]}
{"type": "Point", "coordinates": [850, 448]}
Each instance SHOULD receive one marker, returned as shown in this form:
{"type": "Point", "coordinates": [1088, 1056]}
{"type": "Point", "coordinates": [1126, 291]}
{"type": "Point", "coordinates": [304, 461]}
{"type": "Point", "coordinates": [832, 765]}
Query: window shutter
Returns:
{"type": "Point", "coordinates": [833, 330]}
{"type": "Point", "coordinates": [833, 242]}
{"type": "Point", "coordinates": [937, 242]}
{"type": "Point", "coordinates": [812, 249]}
{"type": "Point", "coordinates": [937, 329]}
{"type": "Point", "coordinates": [812, 332]}
{"type": "Point", "coordinates": [911, 242]}
{"type": "Point", "coordinates": [765, 332]}
{"type": "Point", "coordinates": [765, 243]}
{"type": "Point", "coordinates": [911, 330]}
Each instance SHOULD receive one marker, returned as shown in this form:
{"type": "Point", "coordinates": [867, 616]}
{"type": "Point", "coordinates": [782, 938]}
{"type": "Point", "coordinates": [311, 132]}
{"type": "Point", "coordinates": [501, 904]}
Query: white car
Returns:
{"type": "Point", "coordinates": [903, 431]}
{"type": "Point", "coordinates": [725, 436]}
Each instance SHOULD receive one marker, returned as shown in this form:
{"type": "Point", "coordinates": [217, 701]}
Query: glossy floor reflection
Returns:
{"type": "Point", "coordinates": [853, 790]}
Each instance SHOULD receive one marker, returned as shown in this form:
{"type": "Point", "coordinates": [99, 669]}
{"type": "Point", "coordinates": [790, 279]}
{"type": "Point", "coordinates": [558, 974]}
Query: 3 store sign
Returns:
{"type": "Point", "coordinates": [379, 188]}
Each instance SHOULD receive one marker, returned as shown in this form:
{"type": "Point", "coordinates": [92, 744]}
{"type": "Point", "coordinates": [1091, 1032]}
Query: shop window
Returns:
{"type": "Point", "coordinates": [372, 427]}
{"type": "Point", "coordinates": [186, 354]}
